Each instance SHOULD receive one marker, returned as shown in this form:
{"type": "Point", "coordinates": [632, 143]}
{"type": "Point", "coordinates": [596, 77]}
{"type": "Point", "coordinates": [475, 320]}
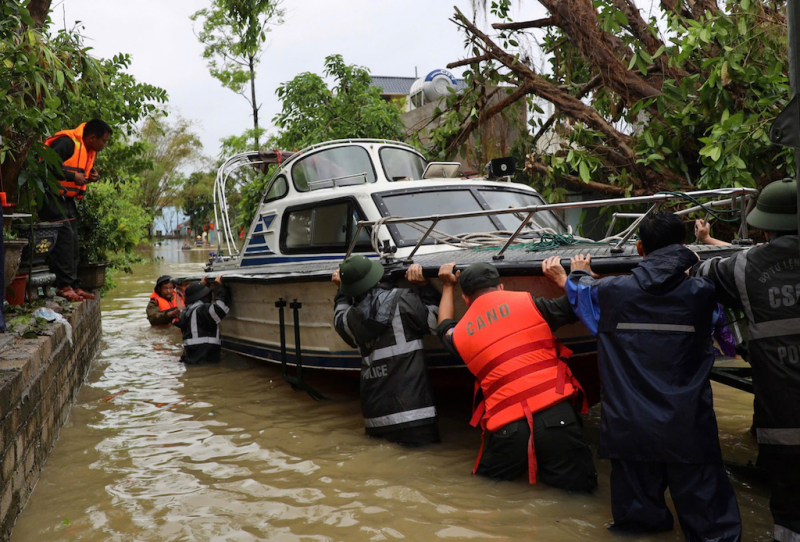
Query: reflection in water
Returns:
{"type": "Point", "coordinates": [231, 453]}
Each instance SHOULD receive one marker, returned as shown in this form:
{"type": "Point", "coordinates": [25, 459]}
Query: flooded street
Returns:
{"type": "Point", "coordinates": [230, 453]}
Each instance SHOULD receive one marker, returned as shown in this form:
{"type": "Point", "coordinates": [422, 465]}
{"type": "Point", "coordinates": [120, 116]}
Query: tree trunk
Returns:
{"type": "Point", "coordinates": [253, 102]}
{"type": "Point", "coordinates": [39, 10]}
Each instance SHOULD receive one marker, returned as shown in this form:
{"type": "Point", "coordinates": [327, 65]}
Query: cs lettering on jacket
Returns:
{"type": "Point", "coordinates": [375, 372]}
{"type": "Point", "coordinates": [492, 316]}
{"type": "Point", "coordinates": [786, 296]}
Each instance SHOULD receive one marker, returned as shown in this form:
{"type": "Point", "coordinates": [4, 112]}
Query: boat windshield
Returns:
{"type": "Point", "coordinates": [461, 200]}
{"type": "Point", "coordinates": [345, 165]}
{"type": "Point", "coordinates": [505, 199]}
{"type": "Point", "coordinates": [401, 164]}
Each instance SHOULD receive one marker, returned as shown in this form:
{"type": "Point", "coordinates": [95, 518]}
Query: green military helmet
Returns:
{"type": "Point", "coordinates": [776, 208]}
{"type": "Point", "coordinates": [358, 275]}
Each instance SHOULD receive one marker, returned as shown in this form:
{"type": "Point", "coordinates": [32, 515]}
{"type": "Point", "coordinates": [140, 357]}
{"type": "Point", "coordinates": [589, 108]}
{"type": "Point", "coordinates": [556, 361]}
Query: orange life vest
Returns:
{"type": "Point", "coordinates": [81, 161]}
{"type": "Point", "coordinates": [517, 362]}
{"type": "Point", "coordinates": [166, 305]}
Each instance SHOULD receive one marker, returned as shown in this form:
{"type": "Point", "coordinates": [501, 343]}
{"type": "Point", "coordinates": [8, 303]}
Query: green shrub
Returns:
{"type": "Point", "coordinates": [110, 222]}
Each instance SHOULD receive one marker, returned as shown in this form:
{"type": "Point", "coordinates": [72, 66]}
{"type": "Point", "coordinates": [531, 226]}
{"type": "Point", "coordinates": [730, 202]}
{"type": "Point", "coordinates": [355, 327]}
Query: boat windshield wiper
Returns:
{"type": "Point", "coordinates": [335, 181]}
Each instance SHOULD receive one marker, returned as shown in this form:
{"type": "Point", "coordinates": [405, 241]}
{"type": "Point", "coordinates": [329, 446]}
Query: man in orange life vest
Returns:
{"type": "Point", "coordinates": [77, 149]}
{"type": "Point", "coordinates": [506, 340]}
{"type": "Point", "coordinates": [165, 304]}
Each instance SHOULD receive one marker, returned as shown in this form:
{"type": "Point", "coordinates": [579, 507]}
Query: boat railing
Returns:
{"type": "Point", "coordinates": [225, 236]}
{"type": "Point", "coordinates": [740, 200]}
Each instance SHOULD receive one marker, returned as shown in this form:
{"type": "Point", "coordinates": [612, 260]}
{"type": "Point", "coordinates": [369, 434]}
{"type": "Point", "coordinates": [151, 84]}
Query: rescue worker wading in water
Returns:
{"type": "Point", "coordinates": [764, 282]}
{"type": "Point", "coordinates": [655, 356]}
{"type": "Point", "coordinates": [199, 322]}
{"type": "Point", "coordinates": [527, 415]}
{"type": "Point", "coordinates": [165, 304]}
{"type": "Point", "coordinates": [387, 325]}
{"type": "Point", "coordinates": [77, 149]}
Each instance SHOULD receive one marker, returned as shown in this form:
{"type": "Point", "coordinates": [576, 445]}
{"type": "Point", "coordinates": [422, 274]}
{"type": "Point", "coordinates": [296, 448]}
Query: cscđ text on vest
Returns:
{"type": "Point", "coordinates": [492, 316]}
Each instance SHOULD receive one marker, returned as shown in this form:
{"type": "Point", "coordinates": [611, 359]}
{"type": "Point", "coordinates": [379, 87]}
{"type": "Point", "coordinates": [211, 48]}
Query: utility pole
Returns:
{"type": "Point", "coordinates": [793, 29]}
{"type": "Point", "coordinates": [785, 128]}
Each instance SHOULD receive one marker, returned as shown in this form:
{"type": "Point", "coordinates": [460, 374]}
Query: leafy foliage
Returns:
{"type": "Point", "coordinates": [197, 198]}
{"type": "Point", "coordinates": [680, 101]}
{"type": "Point", "coordinates": [312, 113]}
{"type": "Point", "coordinates": [111, 223]}
{"type": "Point", "coordinates": [49, 81]}
{"type": "Point", "coordinates": [167, 147]}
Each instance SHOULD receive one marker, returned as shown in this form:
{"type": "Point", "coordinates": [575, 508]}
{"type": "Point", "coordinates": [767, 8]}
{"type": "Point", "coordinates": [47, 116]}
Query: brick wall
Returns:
{"type": "Point", "coordinates": [39, 379]}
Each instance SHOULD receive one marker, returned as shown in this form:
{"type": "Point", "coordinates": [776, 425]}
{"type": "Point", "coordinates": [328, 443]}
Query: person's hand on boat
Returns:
{"type": "Point", "coordinates": [414, 275]}
{"type": "Point", "coordinates": [218, 280]}
{"type": "Point", "coordinates": [702, 230]}
{"type": "Point", "coordinates": [582, 262]}
{"type": "Point", "coordinates": [336, 279]}
{"type": "Point", "coordinates": [447, 276]}
{"type": "Point", "coordinates": [554, 271]}
{"type": "Point", "coordinates": [203, 280]}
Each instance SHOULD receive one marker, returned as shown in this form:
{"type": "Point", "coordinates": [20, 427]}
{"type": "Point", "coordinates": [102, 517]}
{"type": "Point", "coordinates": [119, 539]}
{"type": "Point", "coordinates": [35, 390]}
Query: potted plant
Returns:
{"type": "Point", "coordinates": [94, 246]}
{"type": "Point", "coordinates": [13, 255]}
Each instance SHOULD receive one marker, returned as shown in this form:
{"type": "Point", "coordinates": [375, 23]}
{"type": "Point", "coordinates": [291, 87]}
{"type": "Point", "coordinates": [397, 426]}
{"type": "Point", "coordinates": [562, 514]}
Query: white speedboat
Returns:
{"type": "Point", "coordinates": [384, 200]}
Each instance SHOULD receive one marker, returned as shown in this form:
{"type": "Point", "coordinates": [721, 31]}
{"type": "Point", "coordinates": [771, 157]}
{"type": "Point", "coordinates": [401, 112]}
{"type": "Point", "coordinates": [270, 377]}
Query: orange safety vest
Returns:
{"type": "Point", "coordinates": [517, 362]}
{"type": "Point", "coordinates": [165, 305]}
{"type": "Point", "coordinates": [81, 161]}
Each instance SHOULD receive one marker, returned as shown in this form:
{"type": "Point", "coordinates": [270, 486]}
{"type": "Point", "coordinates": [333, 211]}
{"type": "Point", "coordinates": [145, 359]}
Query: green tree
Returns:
{"type": "Point", "coordinates": [168, 147]}
{"type": "Point", "coordinates": [48, 82]}
{"type": "Point", "coordinates": [312, 113]}
{"type": "Point", "coordinates": [197, 198]}
{"type": "Point", "coordinates": [637, 110]}
{"type": "Point", "coordinates": [234, 34]}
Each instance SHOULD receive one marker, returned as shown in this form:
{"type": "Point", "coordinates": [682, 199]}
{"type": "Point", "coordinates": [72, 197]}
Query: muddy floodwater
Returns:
{"type": "Point", "coordinates": [230, 453]}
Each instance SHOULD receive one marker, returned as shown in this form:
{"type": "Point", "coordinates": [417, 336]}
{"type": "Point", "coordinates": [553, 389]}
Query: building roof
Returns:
{"type": "Point", "coordinates": [393, 85]}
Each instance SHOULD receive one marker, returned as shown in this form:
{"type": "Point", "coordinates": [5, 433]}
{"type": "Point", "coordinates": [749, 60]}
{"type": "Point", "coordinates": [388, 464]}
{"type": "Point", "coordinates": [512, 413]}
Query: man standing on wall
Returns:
{"type": "Point", "coordinates": [77, 149]}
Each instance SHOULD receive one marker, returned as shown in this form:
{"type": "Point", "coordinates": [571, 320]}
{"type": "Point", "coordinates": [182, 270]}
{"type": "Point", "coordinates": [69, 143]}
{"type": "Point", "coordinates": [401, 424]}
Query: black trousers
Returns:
{"type": "Point", "coordinates": [65, 256]}
{"type": "Point", "coordinates": [702, 494]}
{"type": "Point", "coordinates": [563, 457]}
{"type": "Point", "coordinates": [413, 437]}
{"type": "Point", "coordinates": [783, 471]}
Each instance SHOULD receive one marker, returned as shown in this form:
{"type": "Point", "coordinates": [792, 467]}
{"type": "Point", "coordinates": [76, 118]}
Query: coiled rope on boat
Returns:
{"type": "Point", "coordinates": [549, 239]}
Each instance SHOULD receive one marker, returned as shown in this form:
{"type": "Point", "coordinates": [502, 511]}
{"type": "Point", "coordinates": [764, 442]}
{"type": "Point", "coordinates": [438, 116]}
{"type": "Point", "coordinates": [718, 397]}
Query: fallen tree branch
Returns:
{"type": "Point", "coordinates": [538, 23]}
{"type": "Point", "coordinates": [485, 115]}
{"type": "Point", "coordinates": [534, 166]}
{"type": "Point", "coordinates": [468, 61]}
{"type": "Point", "coordinates": [578, 19]}
{"type": "Point", "coordinates": [543, 88]}
{"type": "Point", "coordinates": [583, 91]}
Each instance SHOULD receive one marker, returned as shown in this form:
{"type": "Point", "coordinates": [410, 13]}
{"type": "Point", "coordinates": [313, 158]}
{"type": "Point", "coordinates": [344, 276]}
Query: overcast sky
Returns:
{"type": "Point", "coordinates": [390, 37]}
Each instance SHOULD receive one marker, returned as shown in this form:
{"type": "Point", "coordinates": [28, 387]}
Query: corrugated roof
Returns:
{"type": "Point", "coordinates": [393, 85]}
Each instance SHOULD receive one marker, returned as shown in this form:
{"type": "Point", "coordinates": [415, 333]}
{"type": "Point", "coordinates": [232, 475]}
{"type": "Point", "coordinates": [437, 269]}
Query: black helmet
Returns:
{"type": "Point", "coordinates": [196, 291]}
{"type": "Point", "coordinates": [776, 208]}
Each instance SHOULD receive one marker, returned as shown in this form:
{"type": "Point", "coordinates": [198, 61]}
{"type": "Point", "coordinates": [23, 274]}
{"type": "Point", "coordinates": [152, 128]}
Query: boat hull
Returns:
{"type": "Point", "coordinates": [252, 327]}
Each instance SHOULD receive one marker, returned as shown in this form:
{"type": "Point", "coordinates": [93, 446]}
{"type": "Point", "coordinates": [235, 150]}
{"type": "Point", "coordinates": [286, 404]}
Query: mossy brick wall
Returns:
{"type": "Point", "coordinates": [39, 379]}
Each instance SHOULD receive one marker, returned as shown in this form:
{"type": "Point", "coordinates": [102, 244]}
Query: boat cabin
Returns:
{"type": "Point", "coordinates": [314, 201]}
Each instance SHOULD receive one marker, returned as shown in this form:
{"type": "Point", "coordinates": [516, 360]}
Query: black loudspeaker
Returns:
{"type": "Point", "coordinates": [501, 167]}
